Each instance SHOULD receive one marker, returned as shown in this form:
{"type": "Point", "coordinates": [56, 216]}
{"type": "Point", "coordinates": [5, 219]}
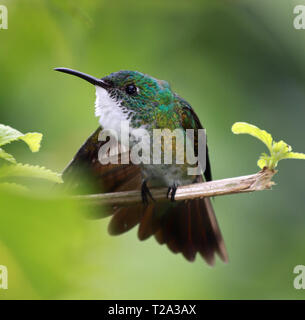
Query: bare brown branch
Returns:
{"type": "Point", "coordinates": [254, 182]}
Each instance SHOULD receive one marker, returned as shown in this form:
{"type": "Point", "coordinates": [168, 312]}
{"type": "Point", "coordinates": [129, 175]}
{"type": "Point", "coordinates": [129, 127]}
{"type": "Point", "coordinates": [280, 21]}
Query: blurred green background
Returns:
{"type": "Point", "coordinates": [233, 61]}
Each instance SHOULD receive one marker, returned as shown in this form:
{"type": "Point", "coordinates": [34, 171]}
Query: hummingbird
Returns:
{"type": "Point", "coordinates": [186, 227]}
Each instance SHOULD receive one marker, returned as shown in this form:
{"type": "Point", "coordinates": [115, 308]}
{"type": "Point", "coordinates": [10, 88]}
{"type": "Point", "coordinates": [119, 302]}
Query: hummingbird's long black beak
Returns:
{"type": "Point", "coordinates": [87, 77]}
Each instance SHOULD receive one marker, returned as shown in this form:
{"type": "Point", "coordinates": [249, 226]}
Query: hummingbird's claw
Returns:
{"type": "Point", "coordinates": [168, 191]}
{"type": "Point", "coordinates": [144, 192]}
{"type": "Point", "coordinates": [172, 192]}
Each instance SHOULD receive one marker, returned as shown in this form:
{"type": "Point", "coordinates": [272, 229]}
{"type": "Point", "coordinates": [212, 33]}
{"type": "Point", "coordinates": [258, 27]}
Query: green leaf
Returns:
{"type": "Point", "coordinates": [6, 156]}
{"type": "Point", "coordinates": [33, 140]}
{"type": "Point", "coordinates": [13, 186]}
{"type": "Point", "coordinates": [295, 155]}
{"type": "Point", "coordinates": [246, 128]}
{"type": "Point", "coordinates": [8, 135]}
{"type": "Point", "coordinates": [278, 150]}
{"type": "Point", "coordinates": [262, 163]}
{"type": "Point", "coordinates": [25, 170]}
{"type": "Point", "coordinates": [280, 147]}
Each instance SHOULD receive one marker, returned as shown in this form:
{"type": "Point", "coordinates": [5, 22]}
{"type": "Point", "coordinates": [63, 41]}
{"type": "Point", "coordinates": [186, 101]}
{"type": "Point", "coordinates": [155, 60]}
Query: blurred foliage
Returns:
{"type": "Point", "coordinates": [14, 169]}
{"type": "Point", "coordinates": [46, 245]}
{"type": "Point", "coordinates": [233, 61]}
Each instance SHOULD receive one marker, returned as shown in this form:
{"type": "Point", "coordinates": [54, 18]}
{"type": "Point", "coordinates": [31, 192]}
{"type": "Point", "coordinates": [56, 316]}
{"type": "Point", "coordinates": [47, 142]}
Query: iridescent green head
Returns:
{"type": "Point", "coordinates": [138, 89]}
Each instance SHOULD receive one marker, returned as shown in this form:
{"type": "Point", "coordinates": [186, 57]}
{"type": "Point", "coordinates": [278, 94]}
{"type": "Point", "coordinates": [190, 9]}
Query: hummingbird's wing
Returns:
{"type": "Point", "coordinates": [85, 168]}
{"type": "Point", "coordinates": [86, 175]}
{"type": "Point", "coordinates": [190, 120]}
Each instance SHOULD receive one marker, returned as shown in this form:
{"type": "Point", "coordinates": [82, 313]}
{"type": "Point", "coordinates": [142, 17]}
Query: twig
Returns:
{"type": "Point", "coordinates": [254, 182]}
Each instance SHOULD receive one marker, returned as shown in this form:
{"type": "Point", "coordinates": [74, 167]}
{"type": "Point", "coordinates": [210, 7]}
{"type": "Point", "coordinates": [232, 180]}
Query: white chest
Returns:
{"type": "Point", "coordinates": [110, 112]}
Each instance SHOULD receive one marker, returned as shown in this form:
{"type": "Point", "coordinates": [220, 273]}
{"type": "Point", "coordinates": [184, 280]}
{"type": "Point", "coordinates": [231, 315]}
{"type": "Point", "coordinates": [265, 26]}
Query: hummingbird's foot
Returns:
{"type": "Point", "coordinates": [144, 192]}
{"type": "Point", "coordinates": [172, 191]}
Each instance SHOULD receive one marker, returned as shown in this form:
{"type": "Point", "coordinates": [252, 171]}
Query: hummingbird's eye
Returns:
{"type": "Point", "coordinates": [131, 89]}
